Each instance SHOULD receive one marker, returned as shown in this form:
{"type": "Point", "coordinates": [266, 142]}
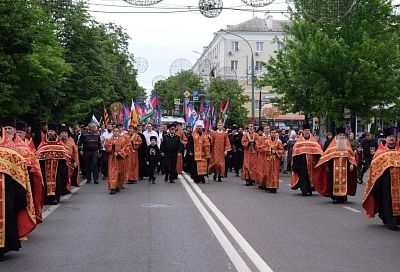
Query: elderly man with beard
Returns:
{"type": "Point", "coordinates": [198, 149]}
{"type": "Point", "coordinates": [305, 155]}
{"type": "Point", "coordinates": [335, 172]}
{"type": "Point", "coordinates": [382, 191]}
{"type": "Point", "coordinates": [53, 157]}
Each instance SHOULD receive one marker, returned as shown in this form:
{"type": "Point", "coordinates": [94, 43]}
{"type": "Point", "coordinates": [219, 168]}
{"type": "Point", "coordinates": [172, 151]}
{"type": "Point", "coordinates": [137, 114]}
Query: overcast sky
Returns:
{"type": "Point", "coordinates": [163, 38]}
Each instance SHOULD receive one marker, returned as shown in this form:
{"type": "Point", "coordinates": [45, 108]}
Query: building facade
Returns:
{"type": "Point", "coordinates": [229, 56]}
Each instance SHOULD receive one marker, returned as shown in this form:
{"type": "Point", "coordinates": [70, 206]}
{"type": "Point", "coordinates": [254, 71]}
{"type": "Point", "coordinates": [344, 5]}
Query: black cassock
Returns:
{"type": "Point", "coordinates": [15, 200]}
{"type": "Point", "coordinates": [382, 192]}
{"type": "Point", "coordinates": [170, 146]}
{"type": "Point", "coordinates": [142, 157]}
{"type": "Point", "coordinates": [61, 181]}
{"type": "Point", "coordinates": [239, 155]}
{"type": "Point", "coordinates": [300, 166]}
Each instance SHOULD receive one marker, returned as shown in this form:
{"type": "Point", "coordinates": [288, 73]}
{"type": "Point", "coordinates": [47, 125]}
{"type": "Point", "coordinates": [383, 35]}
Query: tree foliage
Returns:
{"type": "Point", "coordinates": [221, 90]}
{"type": "Point", "coordinates": [351, 64]}
{"type": "Point", "coordinates": [32, 68]}
{"type": "Point", "coordinates": [58, 63]}
{"type": "Point", "coordinates": [174, 86]}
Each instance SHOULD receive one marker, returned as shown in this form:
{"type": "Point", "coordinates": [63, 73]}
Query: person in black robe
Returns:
{"type": "Point", "coordinates": [170, 147]}
{"type": "Point", "coordinates": [381, 188]}
{"type": "Point", "coordinates": [187, 160]}
{"type": "Point", "coordinates": [142, 154]}
{"type": "Point", "coordinates": [305, 155]}
{"type": "Point", "coordinates": [290, 144]}
{"type": "Point", "coordinates": [39, 135]}
{"type": "Point", "coordinates": [238, 150]}
{"type": "Point", "coordinates": [329, 138]}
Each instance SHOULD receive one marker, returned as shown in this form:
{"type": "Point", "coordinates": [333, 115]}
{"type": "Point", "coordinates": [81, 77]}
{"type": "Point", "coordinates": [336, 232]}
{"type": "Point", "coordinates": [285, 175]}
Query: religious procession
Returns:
{"type": "Point", "coordinates": [38, 168]}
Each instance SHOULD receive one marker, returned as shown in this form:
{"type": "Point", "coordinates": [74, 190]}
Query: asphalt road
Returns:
{"type": "Point", "coordinates": [172, 227]}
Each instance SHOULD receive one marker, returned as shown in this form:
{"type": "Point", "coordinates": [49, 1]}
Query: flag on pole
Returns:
{"type": "Point", "coordinates": [226, 109]}
{"type": "Point", "coordinates": [126, 116]}
{"type": "Point", "coordinates": [154, 100]}
{"type": "Point", "coordinates": [221, 109]}
{"type": "Point", "coordinates": [134, 117]}
{"type": "Point", "coordinates": [94, 120]}
{"type": "Point", "coordinates": [106, 117]}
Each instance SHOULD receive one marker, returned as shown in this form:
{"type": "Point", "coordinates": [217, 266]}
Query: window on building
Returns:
{"type": "Point", "coordinates": [259, 46]}
{"type": "Point", "coordinates": [256, 104]}
{"type": "Point", "coordinates": [234, 65]}
{"type": "Point", "coordinates": [258, 66]}
{"type": "Point", "coordinates": [280, 46]}
{"type": "Point", "coordinates": [235, 46]}
{"type": "Point", "coordinates": [258, 88]}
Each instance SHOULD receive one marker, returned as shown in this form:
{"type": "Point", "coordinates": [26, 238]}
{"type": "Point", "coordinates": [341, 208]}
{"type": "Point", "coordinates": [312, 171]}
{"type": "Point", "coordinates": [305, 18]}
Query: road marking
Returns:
{"type": "Point", "coordinates": [232, 253]}
{"type": "Point", "coordinates": [54, 207]}
{"type": "Point", "coordinates": [290, 185]}
{"type": "Point", "coordinates": [246, 247]}
{"type": "Point", "coordinates": [351, 209]}
{"type": "Point", "coordinates": [280, 181]}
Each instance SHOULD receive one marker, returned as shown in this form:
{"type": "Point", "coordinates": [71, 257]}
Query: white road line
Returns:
{"type": "Point", "coordinates": [53, 208]}
{"type": "Point", "coordinates": [290, 185]}
{"type": "Point", "coordinates": [232, 253]}
{"type": "Point", "coordinates": [246, 247]}
{"type": "Point", "coordinates": [280, 181]}
{"type": "Point", "coordinates": [351, 209]}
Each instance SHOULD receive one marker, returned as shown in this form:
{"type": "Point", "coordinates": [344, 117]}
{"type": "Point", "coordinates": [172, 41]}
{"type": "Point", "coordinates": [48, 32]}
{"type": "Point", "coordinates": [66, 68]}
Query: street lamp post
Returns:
{"type": "Point", "coordinates": [209, 62]}
{"type": "Point", "coordinates": [252, 72]}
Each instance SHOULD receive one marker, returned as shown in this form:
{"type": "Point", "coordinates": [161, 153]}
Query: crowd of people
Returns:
{"type": "Point", "coordinates": [38, 168]}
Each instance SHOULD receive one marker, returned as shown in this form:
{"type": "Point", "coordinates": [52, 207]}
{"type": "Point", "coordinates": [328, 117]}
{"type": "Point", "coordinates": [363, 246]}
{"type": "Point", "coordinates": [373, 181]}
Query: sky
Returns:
{"type": "Point", "coordinates": [163, 38]}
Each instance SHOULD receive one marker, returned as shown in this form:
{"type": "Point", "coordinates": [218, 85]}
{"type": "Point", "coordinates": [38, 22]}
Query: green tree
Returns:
{"type": "Point", "coordinates": [221, 90]}
{"type": "Point", "coordinates": [174, 86]}
{"type": "Point", "coordinates": [350, 64]}
{"type": "Point", "coordinates": [32, 68]}
{"type": "Point", "coordinates": [103, 70]}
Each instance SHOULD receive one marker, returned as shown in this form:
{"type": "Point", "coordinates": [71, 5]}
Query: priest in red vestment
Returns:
{"type": "Point", "coordinates": [32, 163]}
{"type": "Point", "coordinates": [270, 154]}
{"type": "Point", "coordinates": [249, 169]}
{"type": "Point", "coordinates": [220, 146]}
{"type": "Point", "coordinates": [134, 142]}
{"type": "Point", "coordinates": [54, 163]}
{"type": "Point", "coordinates": [17, 211]}
{"type": "Point", "coordinates": [116, 148]}
{"type": "Point", "coordinates": [198, 149]}
{"type": "Point", "coordinates": [382, 191]}
{"type": "Point", "coordinates": [305, 155]}
{"type": "Point", "coordinates": [336, 170]}
{"type": "Point", "coordinates": [184, 140]}
{"type": "Point", "coordinates": [73, 153]}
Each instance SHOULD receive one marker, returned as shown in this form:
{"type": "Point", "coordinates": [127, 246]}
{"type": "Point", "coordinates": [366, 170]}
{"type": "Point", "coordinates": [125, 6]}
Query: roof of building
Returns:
{"type": "Point", "coordinates": [258, 25]}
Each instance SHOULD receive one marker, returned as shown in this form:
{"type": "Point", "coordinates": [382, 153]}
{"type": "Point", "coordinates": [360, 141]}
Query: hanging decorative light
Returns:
{"type": "Point", "coordinates": [326, 10]}
{"type": "Point", "coordinates": [143, 2]}
{"type": "Point", "coordinates": [257, 3]}
{"type": "Point", "coordinates": [210, 8]}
